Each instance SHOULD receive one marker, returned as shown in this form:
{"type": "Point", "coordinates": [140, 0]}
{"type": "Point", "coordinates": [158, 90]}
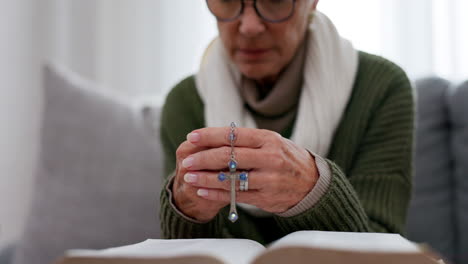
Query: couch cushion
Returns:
{"type": "Point", "coordinates": [430, 216]}
{"type": "Point", "coordinates": [6, 254]}
{"type": "Point", "coordinates": [459, 116]}
{"type": "Point", "coordinates": [99, 177]}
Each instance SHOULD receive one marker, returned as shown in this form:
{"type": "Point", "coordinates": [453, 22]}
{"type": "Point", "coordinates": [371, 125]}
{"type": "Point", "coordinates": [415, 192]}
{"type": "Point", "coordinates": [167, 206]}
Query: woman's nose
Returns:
{"type": "Point", "coordinates": [251, 24]}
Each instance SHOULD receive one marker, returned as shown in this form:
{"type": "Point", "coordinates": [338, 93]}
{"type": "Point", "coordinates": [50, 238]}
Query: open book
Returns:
{"type": "Point", "coordinates": [298, 247]}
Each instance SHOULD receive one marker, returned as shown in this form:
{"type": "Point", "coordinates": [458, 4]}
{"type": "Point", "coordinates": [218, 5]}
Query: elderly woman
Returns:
{"type": "Point", "coordinates": [324, 132]}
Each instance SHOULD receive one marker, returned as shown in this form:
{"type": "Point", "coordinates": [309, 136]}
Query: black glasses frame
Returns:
{"type": "Point", "coordinates": [256, 11]}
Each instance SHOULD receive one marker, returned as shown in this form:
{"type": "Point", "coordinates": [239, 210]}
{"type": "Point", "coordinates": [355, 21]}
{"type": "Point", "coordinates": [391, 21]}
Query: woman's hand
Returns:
{"type": "Point", "coordinates": [281, 174]}
{"type": "Point", "coordinates": [186, 196]}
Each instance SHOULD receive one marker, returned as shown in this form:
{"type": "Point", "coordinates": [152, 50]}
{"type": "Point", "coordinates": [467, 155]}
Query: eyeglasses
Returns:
{"type": "Point", "coordinates": [269, 10]}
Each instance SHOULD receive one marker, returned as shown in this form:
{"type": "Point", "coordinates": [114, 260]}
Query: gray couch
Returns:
{"type": "Point", "coordinates": [100, 172]}
{"type": "Point", "coordinates": [438, 212]}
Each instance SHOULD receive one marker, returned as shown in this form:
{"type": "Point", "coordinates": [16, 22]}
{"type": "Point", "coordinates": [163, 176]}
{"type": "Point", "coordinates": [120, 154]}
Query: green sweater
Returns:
{"type": "Point", "coordinates": [370, 159]}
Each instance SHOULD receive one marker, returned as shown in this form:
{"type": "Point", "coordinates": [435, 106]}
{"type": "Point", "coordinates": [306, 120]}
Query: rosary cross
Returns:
{"type": "Point", "coordinates": [233, 176]}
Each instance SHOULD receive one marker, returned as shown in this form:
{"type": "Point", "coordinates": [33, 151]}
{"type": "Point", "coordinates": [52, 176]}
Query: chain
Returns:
{"type": "Point", "coordinates": [232, 138]}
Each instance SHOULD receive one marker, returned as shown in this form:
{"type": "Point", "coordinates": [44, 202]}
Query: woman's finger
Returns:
{"type": "Point", "coordinates": [213, 180]}
{"type": "Point", "coordinates": [225, 196]}
{"type": "Point", "coordinates": [214, 194]}
{"type": "Point", "coordinates": [186, 148]}
{"type": "Point", "coordinates": [217, 159]}
{"type": "Point", "coordinates": [215, 137]}
{"type": "Point", "coordinates": [257, 198]}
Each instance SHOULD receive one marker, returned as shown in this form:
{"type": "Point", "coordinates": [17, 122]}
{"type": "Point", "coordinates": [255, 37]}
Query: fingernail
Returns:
{"type": "Point", "coordinates": [188, 162]}
{"type": "Point", "coordinates": [202, 192]}
{"type": "Point", "coordinates": [193, 137]}
{"type": "Point", "coordinates": [190, 178]}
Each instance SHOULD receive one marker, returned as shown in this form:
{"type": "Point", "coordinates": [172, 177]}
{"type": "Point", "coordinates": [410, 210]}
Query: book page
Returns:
{"type": "Point", "coordinates": [343, 247]}
{"type": "Point", "coordinates": [349, 241]}
{"type": "Point", "coordinates": [229, 251]}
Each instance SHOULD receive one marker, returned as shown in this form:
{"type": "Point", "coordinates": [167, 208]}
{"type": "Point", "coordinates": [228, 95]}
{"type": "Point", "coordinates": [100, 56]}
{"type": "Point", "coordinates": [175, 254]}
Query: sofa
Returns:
{"type": "Point", "coordinates": [99, 176]}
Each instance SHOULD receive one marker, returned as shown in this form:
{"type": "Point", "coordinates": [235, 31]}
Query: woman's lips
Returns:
{"type": "Point", "coordinates": [252, 54]}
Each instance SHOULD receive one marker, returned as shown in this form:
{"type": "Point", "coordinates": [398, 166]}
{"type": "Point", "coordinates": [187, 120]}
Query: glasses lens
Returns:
{"type": "Point", "coordinates": [225, 9]}
{"type": "Point", "coordinates": [275, 10]}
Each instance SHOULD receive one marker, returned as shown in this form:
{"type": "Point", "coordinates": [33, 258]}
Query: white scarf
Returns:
{"type": "Point", "coordinates": [329, 71]}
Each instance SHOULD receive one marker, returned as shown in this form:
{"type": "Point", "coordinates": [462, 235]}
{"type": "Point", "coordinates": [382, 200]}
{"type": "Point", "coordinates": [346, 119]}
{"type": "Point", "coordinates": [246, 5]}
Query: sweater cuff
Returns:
{"type": "Point", "coordinates": [176, 225]}
{"type": "Point", "coordinates": [169, 184]}
{"type": "Point", "coordinates": [339, 209]}
{"type": "Point", "coordinates": [317, 191]}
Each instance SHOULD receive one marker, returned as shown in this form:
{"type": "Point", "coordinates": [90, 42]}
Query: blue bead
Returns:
{"type": "Point", "coordinates": [233, 217]}
{"type": "Point", "coordinates": [232, 165]}
{"type": "Point", "coordinates": [243, 176]}
{"type": "Point", "coordinates": [232, 137]}
{"type": "Point", "coordinates": [221, 176]}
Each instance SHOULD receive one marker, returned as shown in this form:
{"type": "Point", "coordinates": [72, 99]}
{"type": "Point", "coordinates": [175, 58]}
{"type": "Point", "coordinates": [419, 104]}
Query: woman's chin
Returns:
{"type": "Point", "coordinates": [257, 72]}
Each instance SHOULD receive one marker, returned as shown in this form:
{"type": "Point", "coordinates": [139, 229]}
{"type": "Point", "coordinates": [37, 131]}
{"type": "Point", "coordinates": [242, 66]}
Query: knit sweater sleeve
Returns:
{"type": "Point", "coordinates": [179, 116]}
{"type": "Point", "coordinates": [371, 194]}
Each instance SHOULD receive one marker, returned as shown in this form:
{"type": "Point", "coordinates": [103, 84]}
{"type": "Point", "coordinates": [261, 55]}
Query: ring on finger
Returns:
{"type": "Point", "coordinates": [244, 181]}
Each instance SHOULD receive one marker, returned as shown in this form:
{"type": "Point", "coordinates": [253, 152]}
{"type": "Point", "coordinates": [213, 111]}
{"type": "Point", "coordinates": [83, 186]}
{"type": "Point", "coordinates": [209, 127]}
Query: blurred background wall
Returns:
{"type": "Point", "coordinates": [140, 48]}
{"type": "Point", "coordinates": [19, 118]}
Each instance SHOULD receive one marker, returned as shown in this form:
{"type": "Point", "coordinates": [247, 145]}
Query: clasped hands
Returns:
{"type": "Point", "coordinates": [281, 173]}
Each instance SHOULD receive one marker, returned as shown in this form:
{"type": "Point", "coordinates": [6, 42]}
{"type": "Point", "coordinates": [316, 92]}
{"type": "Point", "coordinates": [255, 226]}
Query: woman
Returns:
{"type": "Point", "coordinates": [324, 131]}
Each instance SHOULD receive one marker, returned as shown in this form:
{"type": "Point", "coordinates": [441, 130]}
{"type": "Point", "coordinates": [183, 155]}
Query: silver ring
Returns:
{"type": "Point", "coordinates": [242, 186]}
{"type": "Point", "coordinates": [244, 181]}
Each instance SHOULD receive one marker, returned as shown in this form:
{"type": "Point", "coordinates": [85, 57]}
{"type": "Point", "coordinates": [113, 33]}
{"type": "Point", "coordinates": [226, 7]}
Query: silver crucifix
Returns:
{"type": "Point", "coordinates": [233, 177]}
